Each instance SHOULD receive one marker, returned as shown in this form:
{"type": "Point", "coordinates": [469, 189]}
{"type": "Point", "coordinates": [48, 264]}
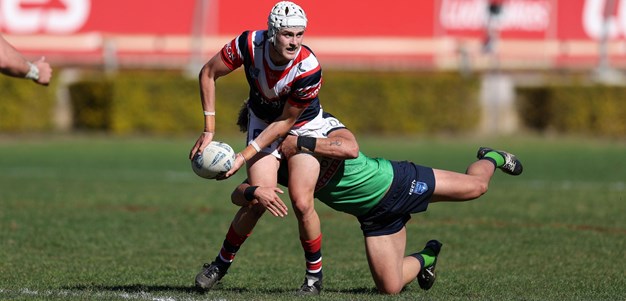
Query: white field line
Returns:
{"type": "Point", "coordinates": [26, 292]}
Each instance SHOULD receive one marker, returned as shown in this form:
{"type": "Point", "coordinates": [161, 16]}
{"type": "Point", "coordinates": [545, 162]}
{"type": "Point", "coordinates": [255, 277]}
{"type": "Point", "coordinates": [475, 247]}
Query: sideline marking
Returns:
{"type": "Point", "coordinates": [99, 294]}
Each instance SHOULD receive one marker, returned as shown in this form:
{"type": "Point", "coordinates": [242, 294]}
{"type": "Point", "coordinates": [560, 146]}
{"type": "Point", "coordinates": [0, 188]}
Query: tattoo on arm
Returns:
{"type": "Point", "coordinates": [335, 143]}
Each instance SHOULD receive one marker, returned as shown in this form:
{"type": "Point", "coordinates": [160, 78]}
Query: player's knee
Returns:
{"type": "Point", "coordinates": [475, 190]}
{"type": "Point", "coordinates": [480, 188]}
{"type": "Point", "coordinates": [302, 202]}
{"type": "Point", "coordinates": [303, 206]}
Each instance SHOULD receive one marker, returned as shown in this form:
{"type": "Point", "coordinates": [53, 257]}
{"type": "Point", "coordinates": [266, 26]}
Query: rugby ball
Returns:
{"type": "Point", "coordinates": [218, 157]}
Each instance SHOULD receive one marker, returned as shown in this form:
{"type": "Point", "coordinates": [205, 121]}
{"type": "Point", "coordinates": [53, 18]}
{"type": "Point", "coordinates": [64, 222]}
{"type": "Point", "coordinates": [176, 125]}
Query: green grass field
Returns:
{"type": "Point", "coordinates": [92, 218]}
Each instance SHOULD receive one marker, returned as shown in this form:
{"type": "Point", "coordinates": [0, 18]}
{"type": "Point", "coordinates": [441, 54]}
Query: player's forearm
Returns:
{"type": "Point", "coordinates": [336, 147]}
{"type": "Point", "coordinates": [273, 132]}
{"type": "Point", "coordinates": [207, 96]}
{"type": "Point", "coordinates": [12, 63]}
{"type": "Point", "coordinates": [211, 71]}
{"type": "Point", "coordinates": [340, 144]}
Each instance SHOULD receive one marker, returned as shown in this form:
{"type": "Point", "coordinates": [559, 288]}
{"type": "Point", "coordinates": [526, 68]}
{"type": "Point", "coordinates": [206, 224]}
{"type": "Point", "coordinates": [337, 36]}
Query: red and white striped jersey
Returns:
{"type": "Point", "coordinates": [272, 86]}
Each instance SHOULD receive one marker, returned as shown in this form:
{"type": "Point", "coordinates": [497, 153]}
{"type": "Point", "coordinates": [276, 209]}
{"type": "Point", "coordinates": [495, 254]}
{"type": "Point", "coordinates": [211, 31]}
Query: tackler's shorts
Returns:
{"type": "Point", "coordinates": [410, 192]}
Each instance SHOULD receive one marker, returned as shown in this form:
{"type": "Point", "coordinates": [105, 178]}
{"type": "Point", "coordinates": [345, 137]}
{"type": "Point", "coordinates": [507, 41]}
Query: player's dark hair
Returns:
{"type": "Point", "coordinates": [242, 119]}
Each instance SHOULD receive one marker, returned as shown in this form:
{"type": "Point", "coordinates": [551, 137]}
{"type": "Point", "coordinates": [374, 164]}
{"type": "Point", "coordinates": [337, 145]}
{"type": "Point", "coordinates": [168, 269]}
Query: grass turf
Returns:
{"type": "Point", "coordinates": [89, 218]}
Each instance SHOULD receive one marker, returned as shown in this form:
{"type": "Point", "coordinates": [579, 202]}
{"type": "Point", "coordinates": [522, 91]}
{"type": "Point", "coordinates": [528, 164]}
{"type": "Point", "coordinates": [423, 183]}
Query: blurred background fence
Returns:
{"type": "Point", "coordinates": [429, 66]}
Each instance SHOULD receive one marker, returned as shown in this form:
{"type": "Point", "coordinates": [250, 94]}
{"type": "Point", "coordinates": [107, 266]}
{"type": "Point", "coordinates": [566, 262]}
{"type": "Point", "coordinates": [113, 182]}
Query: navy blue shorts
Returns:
{"type": "Point", "coordinates": [410, 192]}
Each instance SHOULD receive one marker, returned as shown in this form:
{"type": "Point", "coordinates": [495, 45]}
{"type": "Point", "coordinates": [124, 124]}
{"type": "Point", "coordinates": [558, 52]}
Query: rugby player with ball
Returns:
{"type": "Point", "coordinates": [380, 193]}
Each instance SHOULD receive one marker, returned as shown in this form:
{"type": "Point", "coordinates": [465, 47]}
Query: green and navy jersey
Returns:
{"type": "Point", "coordinates": [352, 186]}
{"type": "Point", "coordinates": [356, 186]}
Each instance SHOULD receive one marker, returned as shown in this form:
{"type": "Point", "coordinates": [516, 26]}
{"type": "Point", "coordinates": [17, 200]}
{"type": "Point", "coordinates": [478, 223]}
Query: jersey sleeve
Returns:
{"type": "Point", "coordinates": [231, 52]}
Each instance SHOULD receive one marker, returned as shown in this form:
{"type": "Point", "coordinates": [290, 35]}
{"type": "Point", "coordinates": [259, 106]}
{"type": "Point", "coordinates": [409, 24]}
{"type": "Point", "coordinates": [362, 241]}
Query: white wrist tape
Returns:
{"type": "Point", "coordinates": [255, 145]}
{"type": "Point", "coordinates": [33, 73]}
{"type": "Point", "coordinates": [207, 113]}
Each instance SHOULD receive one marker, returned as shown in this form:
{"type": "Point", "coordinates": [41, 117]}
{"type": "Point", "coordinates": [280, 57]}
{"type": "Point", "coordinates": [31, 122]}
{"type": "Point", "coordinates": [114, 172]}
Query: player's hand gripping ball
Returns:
{"type": "Point", "coordinates": [217, 158]}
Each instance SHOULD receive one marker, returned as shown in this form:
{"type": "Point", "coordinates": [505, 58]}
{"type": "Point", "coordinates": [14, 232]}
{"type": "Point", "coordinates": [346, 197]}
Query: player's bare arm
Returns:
{"type": "Point", "coordinates": [12, 63]}
{"type": "Point", "coordinates": [340, 144]}
{"type": "Point", "coordinates": [210, 72]}
{"type": "Point", "coordinates": [276, 130]}
{"type": "Point", "coordinates": [281, 126]}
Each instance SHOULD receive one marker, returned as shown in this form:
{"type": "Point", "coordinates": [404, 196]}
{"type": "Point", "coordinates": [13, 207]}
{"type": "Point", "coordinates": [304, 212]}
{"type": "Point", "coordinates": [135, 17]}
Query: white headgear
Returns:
{"type": "Point", "coordinates": [284, 14]}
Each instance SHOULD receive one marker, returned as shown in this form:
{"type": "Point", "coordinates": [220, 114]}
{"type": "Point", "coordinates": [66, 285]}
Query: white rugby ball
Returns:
{"type": "Point", "coordinates": [218, 157]}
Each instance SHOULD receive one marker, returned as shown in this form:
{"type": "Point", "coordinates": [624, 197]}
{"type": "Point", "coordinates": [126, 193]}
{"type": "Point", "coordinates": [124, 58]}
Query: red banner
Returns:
{"type": "Point", "coordinates": [403, 18]}
{"type": "Point", "coordinates": [533, 19]}
{"type": "Point", "coordinates": [341, 28]}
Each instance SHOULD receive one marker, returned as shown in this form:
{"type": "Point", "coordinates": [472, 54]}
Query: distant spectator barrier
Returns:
{"type": "Point", "coordinates": [428, 34]}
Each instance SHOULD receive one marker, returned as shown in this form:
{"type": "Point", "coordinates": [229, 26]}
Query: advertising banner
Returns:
{"type": "Point", "coordinates": [425, 30]}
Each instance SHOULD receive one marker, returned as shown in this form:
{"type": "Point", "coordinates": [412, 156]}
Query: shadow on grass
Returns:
{"type": "Point", "coordinates": [354, 291]}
